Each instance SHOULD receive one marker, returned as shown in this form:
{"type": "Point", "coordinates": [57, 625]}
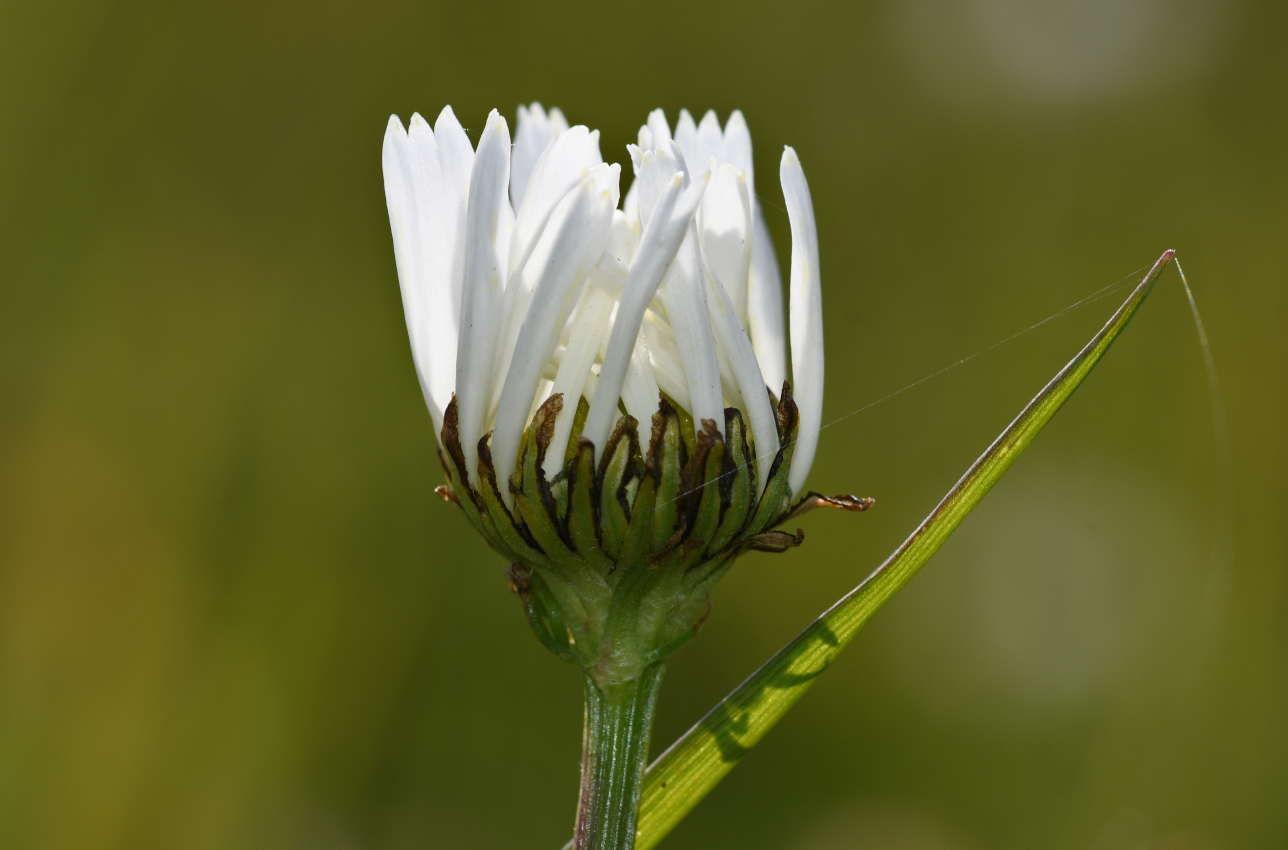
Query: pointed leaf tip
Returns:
{"type": "Point", "coordinates": [694, 764]}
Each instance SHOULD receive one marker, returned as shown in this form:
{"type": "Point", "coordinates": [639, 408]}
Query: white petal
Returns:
{"type": "Point", "coordinates": [486, 243]}
{"type": "Point", "coordinates": [613, 278]}
{"type": "Point", "coordinates": [640, 156]}
{"type": "Point", "coordinates": [457, 157]}
{"type": "Point", "coordinates": [737, 150]}
{"type": "Point", "coordinates": [631, 203]}
{"type": "Point", "coordinates": [640, 390]}
{"type": "Point", "coordinates": [742, 361]}
{"type": "Point", "coordinates": [664, 358]}
{"type": "Point", "coordinates": [532, 135]}
{"type": "Point", "coordinates": [725, 228]}
{"type": "Point", "coordinates": [557, 121]}
{"type": "Point", "coordinates": [590, 325]}
{"type": "Point", "coordinates": [806, 317]}
{"type": "Point", "coordinates": [659, 128]}
{"type": "Point", "coordinates": [623, 239]}
{"type": "Point", "coordinates": [454, 148]}
{"type": "Point", "coordinates": [400, 198]}
{"type": "Point", "coordinates": [569, 246]}
{"type": "Point", "coordinates": [685, 297]}
{"type": "Point", "coordinates": [765, 307]}
{"type": "Point", "coordinates": [686, 132]}
{"type": "Point", "coordinates": [730, 395]}
{"type": "Point", "coordinates": [653, 172]}
{"type": "Point", "coordinates": [436, 242]}
{"type": "Point", "coordinates": [560, 166]}
{"type": "Point", "coordinates": [710, 140]}
{"type": "Point", "coordinates": [661, 239]}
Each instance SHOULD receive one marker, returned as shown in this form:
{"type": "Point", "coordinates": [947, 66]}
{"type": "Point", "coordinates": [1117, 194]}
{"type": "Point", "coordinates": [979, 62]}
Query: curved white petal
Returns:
{"type": "Point", "coordinates": [487, 239]}
{"type": "Point", "coordinates": [564, 160]}
{"type": "Point", "coordinates": [631, 203]}
{"type": "Point", "coordinates": [619, 254]}
{"type": "Point", "coordinates": [454, 148]}
{"type": "Point", "coordinates": [730, 393]}
{"type": "Point", "coordinates": [725, 230]}
{"type": "Point", "coordinates": [668, 227]}
{"type": "Point", "coordinates": [710, 140]}
{"type": "Point", "coordinates": [425, 215]}
{"type": "Point", "coordinates": [659, 128]}
{"type": "Point", "coordinates": [664, 358]}
{"type": "Point", "coordinates": [623, 239]}
{"type": "Point", "coordinates": [806, 317]}
{"type": "Point", "coordinates": [685, 298]}
{"type": "Point", "coordinates": [568, 247]}
{"type": "Point", "coordinates": [457, 157]}
{"type": "Point", "coordinates": [533, 133]}
{"type": "Point", "coordinates": [653, 172]}
{"type": "Point", "coordinates": [686, 132]}
{"type": "Point", "coordinates": [590, 325]}
{"type": "Point", "coordinates": [640, 390]}
{"type": "Point", "coordinates": [765, 307]}
{"type": "Point", "coordinates": [613, 276]}
{"type": "Point", "coordinates": [400, 198]}
{"type": "Point", "coordinates": [737, 150]}
{"type": "Point", "coordinates": [746, 372]}
{"type": "Point", "coordinates": [563, 165]}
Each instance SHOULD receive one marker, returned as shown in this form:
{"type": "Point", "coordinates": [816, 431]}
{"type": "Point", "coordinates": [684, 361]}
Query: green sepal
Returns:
{"type": "Point", "coordinates": [565, 583]}
{"type": "Point", "coordinates": [679, 641]}
{"type": "Point", "coordinates": [687, 429]}
{"type": "Point", "coordinates": [581, 513]}
{"type": "Point", "coordinates": [617, 467]}
{"type": "Point", "coordinates": [774, 500]}
{"type": "Point", "coordinates": [559, 494]}
{"type": "Point", "coordinates": [453, 459]}
{"type": "Point", "coordinates": [665, 464]}
{"type": "Point", "coordinates": [626, 632]}
{"type": "Point", "coordinates": [773, 541]}
{"type": "Point", "coordinates": [462, 495]}
{"type": "Point", "coordinates": [699, 581]}
{"type": "Point", "coordinates": [542, 611]}
{"type": "Point", "coordinates": [702, 486]}
{"type": "Point", "coordinates": [578, 425]}
{"type": "Point", "coordinates": [532, 494]}
{"type": "Point", "coordinates": [514, 536]}
{"type": "Point", "coordinates": [737, 481]}
{"type": "Point", "coordinates": [635, 543]}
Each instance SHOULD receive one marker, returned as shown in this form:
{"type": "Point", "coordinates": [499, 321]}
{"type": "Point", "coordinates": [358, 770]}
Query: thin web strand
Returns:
{"type": "Point", "coordinates": [1104, 292]}
{"type": "Point", "coordinates": [1093, 297]}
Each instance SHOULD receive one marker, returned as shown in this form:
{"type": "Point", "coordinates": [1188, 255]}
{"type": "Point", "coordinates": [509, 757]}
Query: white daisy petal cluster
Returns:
{"type": "Point", "coordinates": [524, 274]}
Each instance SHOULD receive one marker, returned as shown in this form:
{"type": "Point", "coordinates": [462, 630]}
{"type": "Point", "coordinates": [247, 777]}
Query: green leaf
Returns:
{"type": "Point", "coordinates": [686, 772]}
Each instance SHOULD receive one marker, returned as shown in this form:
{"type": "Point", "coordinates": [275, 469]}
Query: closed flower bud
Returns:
{"type": "Point", "coordinates": [608, 385]}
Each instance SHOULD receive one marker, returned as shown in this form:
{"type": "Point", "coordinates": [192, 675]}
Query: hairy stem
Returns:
{"type": "Point", "coordinates": [619, 719]}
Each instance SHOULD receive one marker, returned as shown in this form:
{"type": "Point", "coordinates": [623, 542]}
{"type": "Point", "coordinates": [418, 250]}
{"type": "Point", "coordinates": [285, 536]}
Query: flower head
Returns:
{"type": "Point", "coordinates": [608, 385]}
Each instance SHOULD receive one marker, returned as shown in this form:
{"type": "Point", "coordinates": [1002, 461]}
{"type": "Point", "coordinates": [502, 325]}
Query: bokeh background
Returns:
{"type": "Point", "coordinates": [234, 615]}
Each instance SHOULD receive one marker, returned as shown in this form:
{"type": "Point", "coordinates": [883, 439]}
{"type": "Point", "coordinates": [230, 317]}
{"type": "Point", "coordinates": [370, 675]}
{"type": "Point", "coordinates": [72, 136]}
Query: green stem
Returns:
{"type": "Point", "coordinates": [619, 719]}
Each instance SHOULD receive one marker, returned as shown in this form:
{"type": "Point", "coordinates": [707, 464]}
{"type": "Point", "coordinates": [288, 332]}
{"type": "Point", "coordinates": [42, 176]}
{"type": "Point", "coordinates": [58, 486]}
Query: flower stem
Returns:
{"type": "Point", "coordinates": [619, 719]}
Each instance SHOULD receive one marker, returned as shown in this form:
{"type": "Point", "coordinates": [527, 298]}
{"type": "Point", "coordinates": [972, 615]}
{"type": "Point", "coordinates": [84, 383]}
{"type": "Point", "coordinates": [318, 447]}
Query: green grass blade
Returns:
{"type": "Point", "coordinates": [686, 772]}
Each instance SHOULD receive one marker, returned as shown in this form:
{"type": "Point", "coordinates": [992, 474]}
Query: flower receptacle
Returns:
{"type": "Point", "coordinates": [614, 561]}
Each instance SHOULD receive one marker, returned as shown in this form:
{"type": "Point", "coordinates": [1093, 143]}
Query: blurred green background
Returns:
{"type": "Point", "coordinates": [234, 615]}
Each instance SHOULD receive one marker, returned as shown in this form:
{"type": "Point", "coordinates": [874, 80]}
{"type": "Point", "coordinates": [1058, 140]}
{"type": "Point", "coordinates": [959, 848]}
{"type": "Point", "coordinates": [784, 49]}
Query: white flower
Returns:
{"type": "Point", "coordinates": [521, 278]}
